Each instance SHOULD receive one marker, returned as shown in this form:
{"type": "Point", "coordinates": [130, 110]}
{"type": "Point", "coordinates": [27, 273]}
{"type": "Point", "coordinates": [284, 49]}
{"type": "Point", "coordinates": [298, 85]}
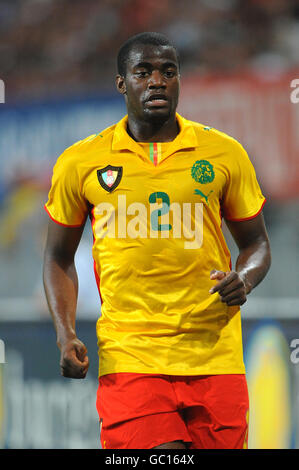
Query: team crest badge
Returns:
{"type": "Point", "coordinates": [202, 172]}
{"type": "Point", "coordinates": [109, 177]}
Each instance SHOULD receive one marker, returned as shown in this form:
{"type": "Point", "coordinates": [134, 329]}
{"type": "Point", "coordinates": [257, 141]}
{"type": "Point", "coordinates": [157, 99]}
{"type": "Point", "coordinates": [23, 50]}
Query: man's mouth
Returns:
{"type": "Point", "coordinates": [157, 100]}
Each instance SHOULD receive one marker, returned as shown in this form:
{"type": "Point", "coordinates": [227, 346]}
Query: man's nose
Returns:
{"type": "Point", "coordinates": [157, 80]}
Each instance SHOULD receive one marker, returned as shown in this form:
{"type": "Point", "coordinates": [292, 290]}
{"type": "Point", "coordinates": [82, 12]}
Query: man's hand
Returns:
{"type": "Point", "coordinates": [74, 361]}
{"type": "Point", "coordinates": [231, 287]}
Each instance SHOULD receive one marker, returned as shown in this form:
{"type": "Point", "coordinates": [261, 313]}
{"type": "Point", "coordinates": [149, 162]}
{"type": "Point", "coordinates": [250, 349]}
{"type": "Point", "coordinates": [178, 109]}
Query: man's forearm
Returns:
{"type": "Point", "coordinates": [61, 288]}
{"type": "Point", "coordinates": [253, 264]}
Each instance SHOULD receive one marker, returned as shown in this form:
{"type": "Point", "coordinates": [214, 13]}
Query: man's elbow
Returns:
{"type": "Point", "coordinates": [57, 256]}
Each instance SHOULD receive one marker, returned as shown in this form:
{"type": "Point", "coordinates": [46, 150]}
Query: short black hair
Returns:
{"type": "Point", "coordinates": [155, 39]}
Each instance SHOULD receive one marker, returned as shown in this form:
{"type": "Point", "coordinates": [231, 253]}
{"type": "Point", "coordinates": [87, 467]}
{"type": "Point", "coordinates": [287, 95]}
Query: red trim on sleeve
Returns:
{"type": "Point", "coordinates": [251, 217]}
{"type": "Point", "coordinates": [60, 223]}
{"type": "Point", "coordinates": [97, 277]}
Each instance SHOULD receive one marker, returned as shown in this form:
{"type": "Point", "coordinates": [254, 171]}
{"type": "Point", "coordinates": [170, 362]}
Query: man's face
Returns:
{"type": "Point", "coordinates": [152, 82]}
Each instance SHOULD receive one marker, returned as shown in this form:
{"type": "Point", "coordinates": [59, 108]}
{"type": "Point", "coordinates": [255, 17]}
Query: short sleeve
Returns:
{"type": "Point", "coordinates": [243, 198]}
{"type": "Point", "coordinates": [66, 204]}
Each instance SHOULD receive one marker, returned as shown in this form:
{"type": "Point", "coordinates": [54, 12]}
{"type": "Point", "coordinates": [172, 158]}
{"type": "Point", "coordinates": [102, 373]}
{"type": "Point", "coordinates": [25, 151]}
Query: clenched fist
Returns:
{"type": "Point", "coordinates": [231, 287]}
{"type": "Point", "coordinates": [74, 361]}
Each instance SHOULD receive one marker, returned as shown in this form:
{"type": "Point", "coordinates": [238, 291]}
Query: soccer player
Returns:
{"type": "Point", "coordinates": [156, 187]}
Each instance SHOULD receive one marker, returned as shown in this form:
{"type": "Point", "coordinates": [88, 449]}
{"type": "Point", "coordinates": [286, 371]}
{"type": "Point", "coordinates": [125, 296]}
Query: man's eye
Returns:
{"type": "Point", "coordinates": [142, 73]}
{"type": "Point", "coordinates": [170, 73]}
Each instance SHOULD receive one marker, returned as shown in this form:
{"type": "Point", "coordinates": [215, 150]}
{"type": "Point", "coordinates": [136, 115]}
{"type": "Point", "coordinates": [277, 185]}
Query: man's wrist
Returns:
{"type": "Point", "coordinates": [248, 285]}
{"type": "Point", "coordinates": [65, 337]}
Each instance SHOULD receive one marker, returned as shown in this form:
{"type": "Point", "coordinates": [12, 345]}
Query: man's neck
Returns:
{"type": "Point", "coordinates": [144, 131]}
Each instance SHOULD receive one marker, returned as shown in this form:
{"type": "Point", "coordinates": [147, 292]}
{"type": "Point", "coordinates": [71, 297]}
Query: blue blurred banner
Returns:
{"type": "Point", "coordinates": [32, 136]}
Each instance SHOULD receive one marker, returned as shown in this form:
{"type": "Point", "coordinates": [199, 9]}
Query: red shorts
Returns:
{"type": "Point", "coordinates": [142, 411]}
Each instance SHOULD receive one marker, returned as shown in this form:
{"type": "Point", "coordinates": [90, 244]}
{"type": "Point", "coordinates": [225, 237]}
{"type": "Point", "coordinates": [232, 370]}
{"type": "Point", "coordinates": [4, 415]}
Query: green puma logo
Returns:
{"type": "Point", "coordinates": [197, 191]}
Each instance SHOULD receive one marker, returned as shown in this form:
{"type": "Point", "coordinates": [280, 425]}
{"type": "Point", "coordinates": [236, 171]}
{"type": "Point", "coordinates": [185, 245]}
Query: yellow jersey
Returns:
{"type": "Point", "coordinates": [156, 211]}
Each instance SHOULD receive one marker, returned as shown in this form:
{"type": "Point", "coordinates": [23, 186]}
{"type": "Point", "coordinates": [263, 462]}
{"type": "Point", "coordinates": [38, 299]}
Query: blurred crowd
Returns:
{"type": "Point", "coordinates": [59, 47]}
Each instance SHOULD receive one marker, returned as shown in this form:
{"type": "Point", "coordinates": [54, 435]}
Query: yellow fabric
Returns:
{"type": "Point", "coordinates": [162, 147]}
{"type": "Point", "coordinates": [157, 313]}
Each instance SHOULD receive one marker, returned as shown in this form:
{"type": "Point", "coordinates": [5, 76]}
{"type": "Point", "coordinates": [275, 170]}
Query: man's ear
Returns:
{"type": "Point", "coordinates": [120, 84]}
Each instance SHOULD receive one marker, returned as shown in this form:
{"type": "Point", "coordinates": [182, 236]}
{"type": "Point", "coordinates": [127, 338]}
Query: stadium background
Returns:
{"type": "Point", "coordinates": [239, 58]}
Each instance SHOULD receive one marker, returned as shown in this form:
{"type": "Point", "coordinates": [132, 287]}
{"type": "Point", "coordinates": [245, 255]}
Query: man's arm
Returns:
{"type": "Point", "coordinates": [61, 288]}
{"type": "Point", "coordinates": [252, 263]}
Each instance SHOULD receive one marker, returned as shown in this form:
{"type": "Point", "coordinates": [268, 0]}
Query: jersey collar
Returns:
{"type": "Point", "coordinates": [186, 138]}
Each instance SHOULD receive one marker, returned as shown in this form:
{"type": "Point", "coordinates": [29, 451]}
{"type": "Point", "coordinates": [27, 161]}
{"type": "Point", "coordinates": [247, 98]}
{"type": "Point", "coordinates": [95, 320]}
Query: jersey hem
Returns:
{"type": "Point", "coordinates": [60, 223]}
{"type": "Point", "coordinates": [240, 370]}
{"type": "Point", "coordinates": [242, 219]}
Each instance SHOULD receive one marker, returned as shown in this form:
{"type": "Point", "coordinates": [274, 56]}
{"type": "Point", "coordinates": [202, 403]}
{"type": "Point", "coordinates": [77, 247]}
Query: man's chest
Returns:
{"type": "Point", "coordinates": [180, 179]}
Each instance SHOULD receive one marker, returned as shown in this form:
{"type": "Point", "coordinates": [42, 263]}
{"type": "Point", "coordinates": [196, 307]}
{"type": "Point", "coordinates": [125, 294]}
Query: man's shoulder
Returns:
{"type": "Point", "coordinates": [204, 131]}
{"type": "Point", "coordinates": [98, 141]}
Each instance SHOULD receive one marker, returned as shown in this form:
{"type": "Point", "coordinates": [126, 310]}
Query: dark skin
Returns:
{"type": "Point", "coordinates": [151, 73]}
